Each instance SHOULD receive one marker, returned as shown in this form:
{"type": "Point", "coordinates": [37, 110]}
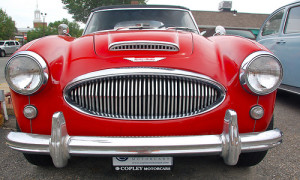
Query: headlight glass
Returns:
{"type": "Point", "coordinates": [261, 73]}
{"type": "Point", "coordinates": [26, 72]}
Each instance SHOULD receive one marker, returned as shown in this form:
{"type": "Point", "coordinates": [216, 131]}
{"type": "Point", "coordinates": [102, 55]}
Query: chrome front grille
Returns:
{"type": "Point", "coordinates": [143, 95]}
{"type": "Point", "coordinates": [143, 45]}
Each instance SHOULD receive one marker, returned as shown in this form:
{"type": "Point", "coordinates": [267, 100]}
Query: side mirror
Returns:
{"type": "Point", "coordinates": [63, 29]}
{"type": "Point", "coordinates": [220, 31]}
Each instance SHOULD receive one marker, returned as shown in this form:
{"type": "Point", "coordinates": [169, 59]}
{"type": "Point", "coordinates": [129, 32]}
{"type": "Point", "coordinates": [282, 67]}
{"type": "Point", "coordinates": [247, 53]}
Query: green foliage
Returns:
{"type": "Point", "coordinates": [81, 9]}
{"type": "Point", "coordinates": [7, 26]}
{"type": "Point", "coordinates": [52, 29]}
{"type": "Point", "coordinates": [74, 27]}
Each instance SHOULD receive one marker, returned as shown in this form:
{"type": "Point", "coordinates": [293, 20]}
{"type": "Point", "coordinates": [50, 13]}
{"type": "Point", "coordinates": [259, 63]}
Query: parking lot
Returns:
{"type": "Point", "coordinates": [281, 162]}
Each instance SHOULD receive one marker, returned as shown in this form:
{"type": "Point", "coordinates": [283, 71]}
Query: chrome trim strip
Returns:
{"type": "Point", "coordinates": [291, 89]}
{"type": "Point", "coordinates": [229, 144]}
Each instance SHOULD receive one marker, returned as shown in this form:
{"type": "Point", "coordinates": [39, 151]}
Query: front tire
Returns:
{"type": "Point", "coordinates": [36, 159]}
{"type": "Point", "coordinates": [39, 160]}
{"type": "Point", "coordinates": [2, 53]}
{"type": "Point", "coordinates": [253, 158]}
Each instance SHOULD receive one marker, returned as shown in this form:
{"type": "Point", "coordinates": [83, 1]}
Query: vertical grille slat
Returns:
{"type": "Point", "coordinates": [184, 97]}
{"type": "Point", "coordinates": [164, 96]}
{"type": "Point", "coordinates": [137, 98]}
{"type": "Point", "coordinates": [85, 97]}
{"type": "Point", "coordinates": [132, 98]}
{"type": "Point", "coordinates": [160, 104]}
{"type": "Point", "coordinates": [152, 97]}
{"type": "Point", "coordinates": [149, 98]}
{"type": "Point", "coordinates": [188, 96]}
{"type": "Point", "coordinates": [92, 97]}
{"type": "Point", "coordinates": [104, 98]}
{"type": "Point", "coordinates": [175, 98]}
{"type": "Point", "coordinates": [97, 97]}
{"type": "Point", "coordinates": [169, 97]}
{"type": "Point", "coordinates": [144, 97]}
{"type": "Point", "coordinates": [179, 97]}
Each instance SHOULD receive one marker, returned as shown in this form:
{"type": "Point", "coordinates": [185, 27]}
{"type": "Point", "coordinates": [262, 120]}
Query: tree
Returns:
{"type": "Point", "coordinates": [81, 9]}
{"type": "Point", "coordinates": [7, 26]}
{"type": "Point", "coordinates": [52, 29]}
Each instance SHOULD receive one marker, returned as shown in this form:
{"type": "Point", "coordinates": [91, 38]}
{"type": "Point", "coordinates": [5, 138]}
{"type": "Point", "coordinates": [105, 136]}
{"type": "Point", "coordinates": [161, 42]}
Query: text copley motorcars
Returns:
{"type": "Point", "coordinates": [142, 82]}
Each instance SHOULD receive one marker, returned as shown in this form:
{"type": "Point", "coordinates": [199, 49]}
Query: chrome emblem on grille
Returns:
{"type": "Point", "coordinates": [133, 59]}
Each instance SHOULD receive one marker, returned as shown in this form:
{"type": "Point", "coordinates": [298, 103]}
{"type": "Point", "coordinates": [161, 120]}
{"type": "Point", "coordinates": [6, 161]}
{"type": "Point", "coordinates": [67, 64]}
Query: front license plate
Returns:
{"type": "Point", "coordinates": [142, 163]}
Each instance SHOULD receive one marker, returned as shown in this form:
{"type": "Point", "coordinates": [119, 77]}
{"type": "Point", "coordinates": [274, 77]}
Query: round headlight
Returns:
{"type": "Point", "coordinates": [261, 73]}
{"type": "Point", "coordinates": [26, 72]}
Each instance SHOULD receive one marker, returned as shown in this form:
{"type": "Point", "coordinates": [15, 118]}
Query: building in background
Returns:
{"type": "Point", "coordinates": [229, 18]}
{"type": "Point", "coordinates": [21, 34]}
{"type": "Point", "coordinates": [37, 21]}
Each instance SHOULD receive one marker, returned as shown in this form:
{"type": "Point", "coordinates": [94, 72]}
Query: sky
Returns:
{"type": "Point", "coordinates": [22, 12]}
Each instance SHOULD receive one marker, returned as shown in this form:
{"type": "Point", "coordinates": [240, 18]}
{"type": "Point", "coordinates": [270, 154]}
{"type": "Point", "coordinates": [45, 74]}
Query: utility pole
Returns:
{"type": "Point", "coordinates": [44, 16]}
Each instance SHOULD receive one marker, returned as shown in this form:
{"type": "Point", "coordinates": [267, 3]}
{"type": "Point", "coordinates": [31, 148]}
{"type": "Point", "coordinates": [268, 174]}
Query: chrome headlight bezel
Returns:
{"type": "Point", "coordinates": [245, 70]}
{"type": "Point", "coordinates": [43, 72]}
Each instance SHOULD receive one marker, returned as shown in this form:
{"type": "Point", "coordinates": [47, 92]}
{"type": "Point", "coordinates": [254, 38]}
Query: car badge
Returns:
{"type": "Point", "coordinates": [133, 59]}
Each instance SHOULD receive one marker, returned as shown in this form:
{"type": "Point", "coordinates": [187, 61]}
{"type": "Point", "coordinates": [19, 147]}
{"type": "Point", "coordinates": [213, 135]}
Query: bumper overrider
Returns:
{"type": "Point", "coordinates": [60, 145]}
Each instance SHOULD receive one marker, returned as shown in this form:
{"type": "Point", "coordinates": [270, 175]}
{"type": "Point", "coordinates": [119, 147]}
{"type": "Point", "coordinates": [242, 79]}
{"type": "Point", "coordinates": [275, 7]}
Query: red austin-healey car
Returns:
{"type": "Point", "coordinates": [142, 82]}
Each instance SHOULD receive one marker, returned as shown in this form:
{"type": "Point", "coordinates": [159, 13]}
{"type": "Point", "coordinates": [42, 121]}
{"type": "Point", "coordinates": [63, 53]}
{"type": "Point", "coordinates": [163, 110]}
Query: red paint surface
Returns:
{"type": "Point", "coordinates": [67, 58]}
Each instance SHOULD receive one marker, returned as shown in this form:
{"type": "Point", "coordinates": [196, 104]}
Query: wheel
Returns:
{"type": "Point", "coordinates": [2, 53]}
{"type": "Point", "coordinates": [253, 158]}
{"type": "Point", "coordinates": [36, 159]}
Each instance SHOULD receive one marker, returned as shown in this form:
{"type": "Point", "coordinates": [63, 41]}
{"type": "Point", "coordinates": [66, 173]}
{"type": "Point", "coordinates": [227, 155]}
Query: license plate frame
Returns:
{"type": "Point", "coordinates": [142, 163]}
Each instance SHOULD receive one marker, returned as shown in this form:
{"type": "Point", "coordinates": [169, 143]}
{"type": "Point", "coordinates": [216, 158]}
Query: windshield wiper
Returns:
{"type": "Point", "coordinates": [182, 28]}
{"type": "Point", "coordinates": [133, 27]}
{"type": "Point", "coordinates": [140, 27]}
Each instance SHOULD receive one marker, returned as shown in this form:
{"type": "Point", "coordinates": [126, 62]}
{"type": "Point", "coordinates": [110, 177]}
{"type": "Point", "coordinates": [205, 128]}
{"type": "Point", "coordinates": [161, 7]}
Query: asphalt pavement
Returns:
{"type": "Point", "coordinates": [282, 162]}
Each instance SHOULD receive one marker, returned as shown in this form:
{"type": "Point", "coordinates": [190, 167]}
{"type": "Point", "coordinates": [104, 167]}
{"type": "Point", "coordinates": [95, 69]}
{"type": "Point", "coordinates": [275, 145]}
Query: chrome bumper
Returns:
{"type": "Point", "coordinates": [60, 145]}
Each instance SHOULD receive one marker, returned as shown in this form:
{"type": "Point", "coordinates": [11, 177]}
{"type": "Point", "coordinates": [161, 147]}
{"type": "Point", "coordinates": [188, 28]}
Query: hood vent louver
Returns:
{"type": "Point", "coordinates": [143, 46]}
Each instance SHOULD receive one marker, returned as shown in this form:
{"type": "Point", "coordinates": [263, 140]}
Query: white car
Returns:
{"type": "Point", "coordinates": [8, 47]}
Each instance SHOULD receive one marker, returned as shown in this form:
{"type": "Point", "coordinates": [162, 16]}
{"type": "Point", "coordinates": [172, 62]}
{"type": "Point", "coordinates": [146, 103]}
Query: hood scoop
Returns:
{"type": "Point", "coordinates": [143, 43]}
{"type": "Point", "coordinates": [144, 46]}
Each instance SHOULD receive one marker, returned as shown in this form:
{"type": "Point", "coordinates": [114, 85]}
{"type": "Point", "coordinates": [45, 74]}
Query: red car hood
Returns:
{"type": "Point", "coordinates": [183, 40]}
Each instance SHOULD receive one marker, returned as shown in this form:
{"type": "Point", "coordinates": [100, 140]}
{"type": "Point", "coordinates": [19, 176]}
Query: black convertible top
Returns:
{"type": "Point", "coordinates": [139, 6]}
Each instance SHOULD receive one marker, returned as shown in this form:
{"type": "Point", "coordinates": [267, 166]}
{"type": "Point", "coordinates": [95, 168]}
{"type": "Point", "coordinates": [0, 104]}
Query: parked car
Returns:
{"type": "Point", "coordinates": [142, 81]}
{"type": "Point", "coordinates": [281, 34]}
{"type": "Point", "coordinates": [8, 47]}
{"type": "Point", "coordinates": [232, 31]}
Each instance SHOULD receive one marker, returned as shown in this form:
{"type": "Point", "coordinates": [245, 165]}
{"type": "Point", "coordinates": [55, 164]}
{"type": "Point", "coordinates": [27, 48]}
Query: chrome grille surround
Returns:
{"type": "Point", "coordinates": [144, 94]}
{"type": "Point", "coordinates": [143, 46]}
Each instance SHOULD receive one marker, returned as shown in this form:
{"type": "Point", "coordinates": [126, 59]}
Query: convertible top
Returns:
{"type": "Point", "coordinates": [139, 6]}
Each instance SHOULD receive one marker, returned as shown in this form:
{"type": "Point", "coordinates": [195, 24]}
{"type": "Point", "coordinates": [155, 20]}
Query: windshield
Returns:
{"type": "Point", "coordinates": [1, 42]}
{"type": "Point", "coordinates": [242, 33]}
{"type": "Point", "coordinates": [120, 19]}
